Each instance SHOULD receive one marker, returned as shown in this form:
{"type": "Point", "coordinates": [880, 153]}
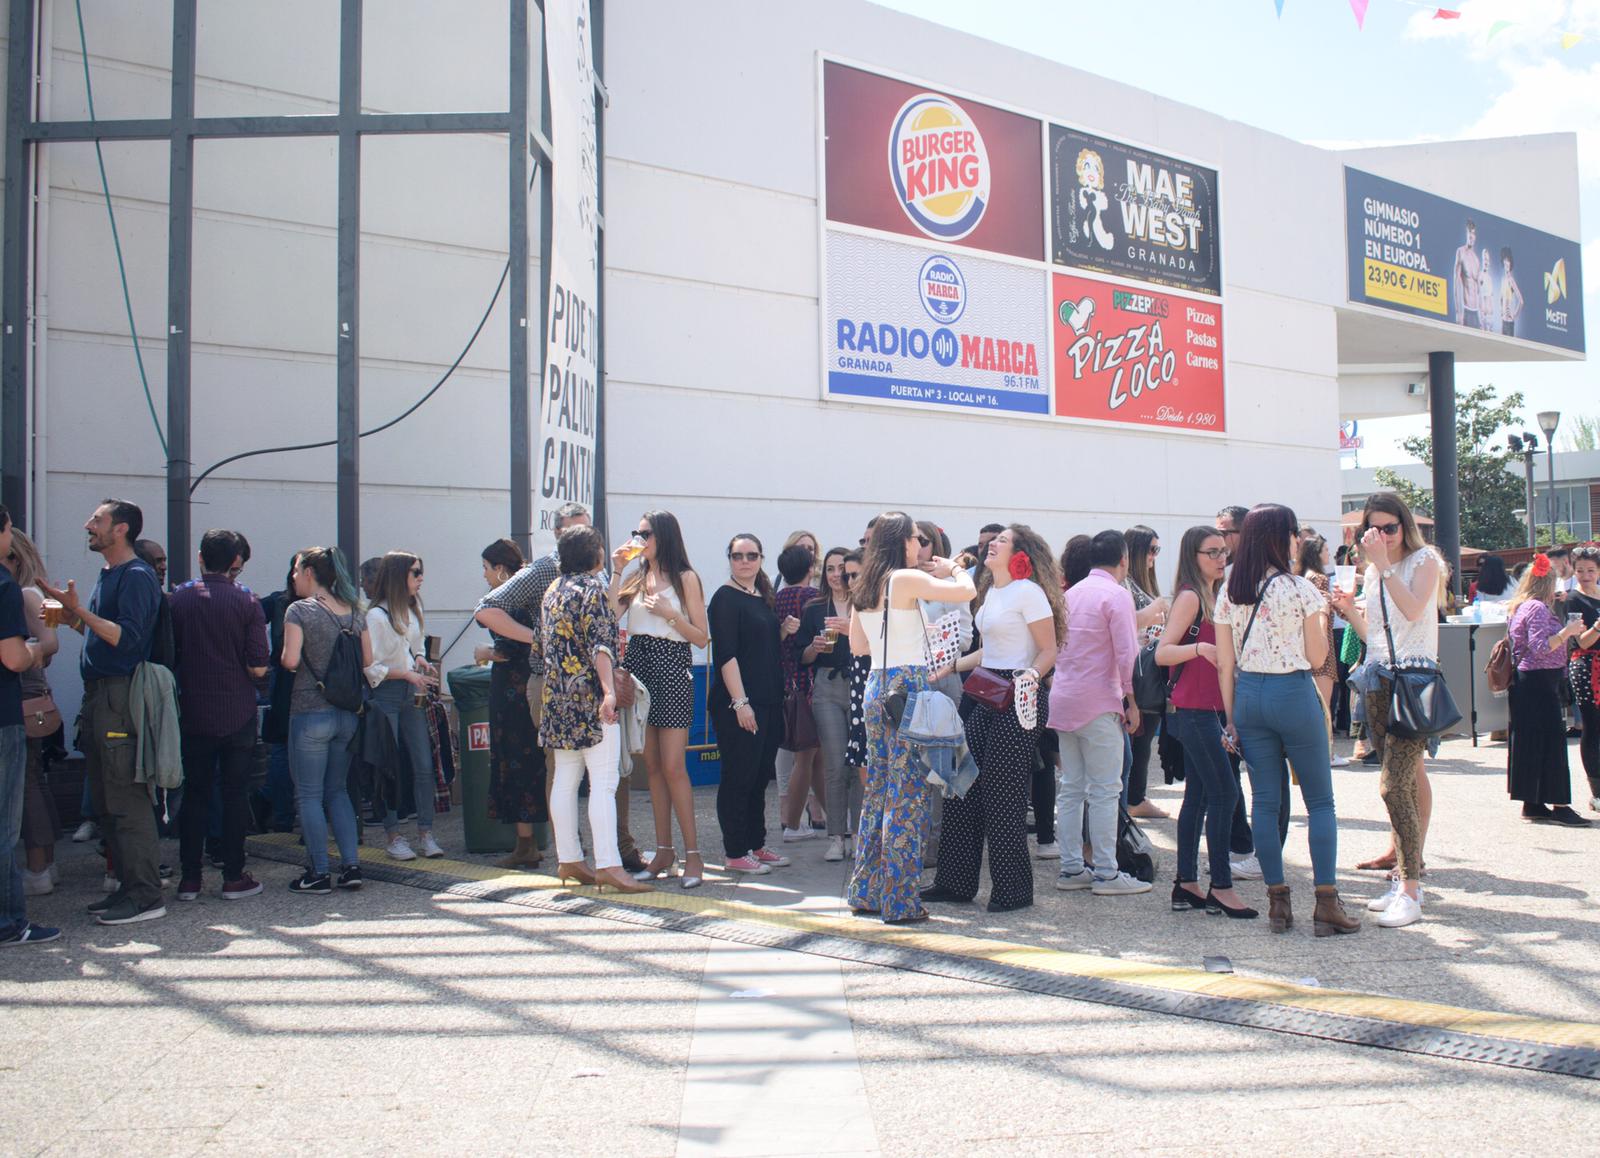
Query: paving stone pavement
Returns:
{"type": "Point", "coordinates": [395, 1018]}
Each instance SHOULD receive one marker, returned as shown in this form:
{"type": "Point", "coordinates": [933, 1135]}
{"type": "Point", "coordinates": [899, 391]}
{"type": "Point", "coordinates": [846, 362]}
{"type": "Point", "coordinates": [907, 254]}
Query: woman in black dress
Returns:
{"type": "Point", "coordinates": [1582, 669]}
{"type": "Point", "coordinates": [516, 762]}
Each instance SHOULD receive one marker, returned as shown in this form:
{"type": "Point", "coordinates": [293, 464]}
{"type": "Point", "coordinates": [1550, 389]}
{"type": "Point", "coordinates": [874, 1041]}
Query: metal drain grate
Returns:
{"type": "Point", "coordinates": [1573, 1061]}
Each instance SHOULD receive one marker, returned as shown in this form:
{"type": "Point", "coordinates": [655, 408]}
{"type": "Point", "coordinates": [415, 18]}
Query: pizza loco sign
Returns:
{"type": "Point", "coordinates": [959, 307]}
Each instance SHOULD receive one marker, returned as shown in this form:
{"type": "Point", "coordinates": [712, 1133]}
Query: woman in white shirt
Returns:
{"type": "Point", "coordinates": [1021, 620]}
{"type": "Point", "coordinates": [399, 674]}
{"type": "Point", "coordinates": [1272, 632]}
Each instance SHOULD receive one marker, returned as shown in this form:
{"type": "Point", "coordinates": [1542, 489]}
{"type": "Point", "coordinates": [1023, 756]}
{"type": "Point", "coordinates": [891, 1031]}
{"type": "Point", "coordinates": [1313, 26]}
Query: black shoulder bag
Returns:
{"type": "Point", "coordinates": [1420, 704]}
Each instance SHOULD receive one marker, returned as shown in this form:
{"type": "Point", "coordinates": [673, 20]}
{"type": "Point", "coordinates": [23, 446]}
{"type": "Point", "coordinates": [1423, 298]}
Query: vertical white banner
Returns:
{"type": "Point", "coordinates": [564, 455]}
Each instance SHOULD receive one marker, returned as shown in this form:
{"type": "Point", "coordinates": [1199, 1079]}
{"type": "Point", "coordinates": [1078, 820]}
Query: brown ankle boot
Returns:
{"type": "Point", "coordinates": [1330, 917]}
{"type": "Point", "coordinates": [1279, 914]}
{"type": "Point", "coordinates": [525, 855]}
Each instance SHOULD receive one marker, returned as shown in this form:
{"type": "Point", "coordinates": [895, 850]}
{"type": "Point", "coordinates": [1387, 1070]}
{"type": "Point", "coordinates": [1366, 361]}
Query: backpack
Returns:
{"type": "Point", "coordinates": [1501, 668]}
{"type": "Point", "coordinates": [342, 683]}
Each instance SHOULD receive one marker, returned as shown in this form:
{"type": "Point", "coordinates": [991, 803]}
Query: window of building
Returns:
{"type": "Point", "coordinates": [1572, 508]}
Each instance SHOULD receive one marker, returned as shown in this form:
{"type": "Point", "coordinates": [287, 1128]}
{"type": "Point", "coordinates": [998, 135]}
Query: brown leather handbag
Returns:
{"type": "Point", "coordinates": [40, 717]}
{"type": "Point", "coordinates": [990, 690]}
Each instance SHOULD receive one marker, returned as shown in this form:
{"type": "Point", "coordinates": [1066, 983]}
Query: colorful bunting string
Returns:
{"type": "Point", "coordinates": [1358, 8]}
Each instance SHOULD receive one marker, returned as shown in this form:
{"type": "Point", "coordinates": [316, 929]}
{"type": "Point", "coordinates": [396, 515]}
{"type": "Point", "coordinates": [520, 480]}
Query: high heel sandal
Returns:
{"type": "Point", "coordinates": [655, 870]}
{"type": "Point", "coordinates": [574, 870]}
{"type": "Point", "coordinates": [698, 879]}
{"type": "Point", "coordinates": [619, 881]}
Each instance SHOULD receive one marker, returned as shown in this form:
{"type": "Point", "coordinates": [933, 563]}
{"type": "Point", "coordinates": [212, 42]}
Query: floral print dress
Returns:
{"type": "Point", "coordinates": [577, 624]}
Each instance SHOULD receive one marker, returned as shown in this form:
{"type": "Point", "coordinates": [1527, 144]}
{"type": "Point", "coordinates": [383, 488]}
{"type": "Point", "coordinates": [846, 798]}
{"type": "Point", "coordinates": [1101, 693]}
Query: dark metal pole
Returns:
{"type": "Point", "coordinates": [1550, 460]}
{"type": "Point", "coordinates": [349, 292]}
{"type": "Point", "coordinates": [519, 385]}
{"type": "Point", "coordinates": [1531, 514]}
{"type": "Point", "coordinates": [1446, 492]}
{"type": "Point", "coordinates": [597, 36]}
{"type": "Point", "coordinates": [14, 311]}
{"type": "Point", "coordinates": [180, 270]}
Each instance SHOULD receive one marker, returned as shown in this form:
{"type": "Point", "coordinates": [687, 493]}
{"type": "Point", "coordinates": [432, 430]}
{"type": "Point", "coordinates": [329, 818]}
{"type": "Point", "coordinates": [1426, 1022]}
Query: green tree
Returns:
{"type": "Point", "coordinates": [1489, 489]}
{"type": "Point", "coordinates": [1582, 433]}
{"type": "Point", "coordinates": [1542, 535]}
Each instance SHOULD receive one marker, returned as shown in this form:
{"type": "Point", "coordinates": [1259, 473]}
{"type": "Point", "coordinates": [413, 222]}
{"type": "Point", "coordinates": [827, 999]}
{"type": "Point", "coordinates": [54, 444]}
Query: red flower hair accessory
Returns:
{"type": "Point", "coordinates": [1021, 567]}
{"type": "Point", "coordinates": [1541, 566]}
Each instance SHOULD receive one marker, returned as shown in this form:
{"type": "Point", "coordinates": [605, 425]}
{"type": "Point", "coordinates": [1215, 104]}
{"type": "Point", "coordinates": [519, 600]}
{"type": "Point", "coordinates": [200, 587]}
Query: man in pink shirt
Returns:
{"type": "Point", "coordinates": [1091, 705]}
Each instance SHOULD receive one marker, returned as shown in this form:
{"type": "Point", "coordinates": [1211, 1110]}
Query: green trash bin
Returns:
{"type": "Point", "coordinates": [470, 688]}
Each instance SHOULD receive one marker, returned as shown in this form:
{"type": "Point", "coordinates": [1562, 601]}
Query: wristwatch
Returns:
{"type": "Point", "coordinates": [1386, 573]}
{"type": "Point", "coordinates": [742, 702]}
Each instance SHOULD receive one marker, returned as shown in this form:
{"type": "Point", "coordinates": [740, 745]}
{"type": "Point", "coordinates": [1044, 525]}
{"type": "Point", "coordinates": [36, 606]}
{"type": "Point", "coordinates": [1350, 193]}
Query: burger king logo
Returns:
{"type": "Point", "coordinates": [939, 166]}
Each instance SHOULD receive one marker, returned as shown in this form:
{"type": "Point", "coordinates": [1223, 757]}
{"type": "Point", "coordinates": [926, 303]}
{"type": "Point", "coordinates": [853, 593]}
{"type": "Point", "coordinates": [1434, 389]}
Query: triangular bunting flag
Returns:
{"type": "Point", "coordinates": [1446, 14]}
{"type": "Point", "coordinates": [1359, 7]}
{"type": "Point", "coordinates": [1498, 27]}
{"type": "Point", "coordinates": [1279, 3]}
{"type": "Point", "coordinates": [1568, 39]}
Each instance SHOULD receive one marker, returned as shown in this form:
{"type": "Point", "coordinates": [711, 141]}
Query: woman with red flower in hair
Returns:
{"type": "Point", "coordinates": [1021, 620]}
{"type": "Point", "coordinates": [1537, 772]}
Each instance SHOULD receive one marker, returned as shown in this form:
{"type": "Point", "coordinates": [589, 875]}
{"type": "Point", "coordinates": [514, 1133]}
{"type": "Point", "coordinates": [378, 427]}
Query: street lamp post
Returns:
{"type": "Point", "coordinates": [1548, 421]}
{"type": "Point", "coordinates": [1527, 445]}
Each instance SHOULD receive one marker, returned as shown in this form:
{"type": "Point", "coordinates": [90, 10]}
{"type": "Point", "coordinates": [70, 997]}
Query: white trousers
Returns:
{"type": "Point", "coordinates": [602, 764]}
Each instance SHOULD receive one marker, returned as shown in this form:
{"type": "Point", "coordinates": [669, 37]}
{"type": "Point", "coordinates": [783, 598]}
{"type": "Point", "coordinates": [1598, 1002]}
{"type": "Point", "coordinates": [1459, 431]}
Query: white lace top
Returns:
{"type": "Point", "coordinates": [1414, 640]}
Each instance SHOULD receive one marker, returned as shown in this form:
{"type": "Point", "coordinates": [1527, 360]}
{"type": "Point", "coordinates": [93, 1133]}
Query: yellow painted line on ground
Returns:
{"type": "Point", "coordinates": [1543, 1031]}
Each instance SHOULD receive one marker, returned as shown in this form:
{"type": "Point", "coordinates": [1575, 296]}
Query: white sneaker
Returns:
{"type": "Point", "coordinates": [1403, 910]}
{"type": "Point", "coordinates": [835, 849]}
{"type": "Point", "coordinates": [794, 834]}
{"type": "Point", "coordinates": [1340, 761]}
{"type": "Point", "coordinates": [1082, 879]}
{"type": "Point", "coordinates": [400, 850]}
{"type": "Point", "coordinates": [37, 884]}
{"type": "Point", "coordinates": [85, 832]}
{"type": "Point", "coordinates": [1247, 867]}
{"type": "Point", "coordinates": [1051, 851]}
{"type": "Point", "coordinates": [1379, 904]}
{"type": "Point", "coordinates": [430, 847]}
{"type": "Point", "coordinates": [1594, 804]}
{"type": "Point", "coordinates": [1120, 885]}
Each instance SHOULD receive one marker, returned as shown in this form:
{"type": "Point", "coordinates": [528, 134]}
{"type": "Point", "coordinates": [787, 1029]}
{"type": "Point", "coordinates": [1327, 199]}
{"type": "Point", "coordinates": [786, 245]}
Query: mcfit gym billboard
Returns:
{"type": "Point", "coordinates": [1418, 254]}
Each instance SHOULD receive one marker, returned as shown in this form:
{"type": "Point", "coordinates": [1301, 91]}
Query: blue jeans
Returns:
{"type": "Point", "coordinates": [1209, 795]}
{"type": "Point", "coordinates": [394, 699]}
{"type": "Point", "coordinates": [1280, 718]}
{"type": "Point", "coordinates": [13, 778]}
{"type": "Point", "coordinates": [319, 761]}
{"type": "Point", "coordinates": [1091, 778]}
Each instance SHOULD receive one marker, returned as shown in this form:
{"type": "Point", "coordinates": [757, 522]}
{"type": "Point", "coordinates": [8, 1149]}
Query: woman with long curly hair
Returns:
{"type": "Point", "coordinates": [1021, 621]}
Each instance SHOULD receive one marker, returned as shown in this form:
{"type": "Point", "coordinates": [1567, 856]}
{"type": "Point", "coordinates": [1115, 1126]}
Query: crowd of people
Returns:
{"type": "Point", "coordinates": [914, 702]}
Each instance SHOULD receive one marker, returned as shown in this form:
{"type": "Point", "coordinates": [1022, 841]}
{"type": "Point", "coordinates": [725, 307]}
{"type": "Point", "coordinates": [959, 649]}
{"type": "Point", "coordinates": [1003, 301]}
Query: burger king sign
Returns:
{"type": "Point", "coordinates": [939, 166]}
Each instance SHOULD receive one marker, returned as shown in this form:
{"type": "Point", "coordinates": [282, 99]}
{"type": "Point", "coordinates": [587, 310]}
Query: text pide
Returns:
{"type": "Point", "coordinates": [567, 456]}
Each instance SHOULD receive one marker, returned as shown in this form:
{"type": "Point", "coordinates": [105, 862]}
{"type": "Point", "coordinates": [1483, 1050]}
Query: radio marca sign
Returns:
{"type": "Point", "coordinates": [935, 330]}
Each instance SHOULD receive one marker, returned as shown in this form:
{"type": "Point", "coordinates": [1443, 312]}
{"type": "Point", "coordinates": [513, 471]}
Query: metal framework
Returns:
{"type": "Point", "coordinates": [527, 145]}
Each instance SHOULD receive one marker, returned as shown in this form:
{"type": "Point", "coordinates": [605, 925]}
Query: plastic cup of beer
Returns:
{"type": "Point", "coordinates": [53, 613]}
{"type": "Point", "coordinates": [632, 549]}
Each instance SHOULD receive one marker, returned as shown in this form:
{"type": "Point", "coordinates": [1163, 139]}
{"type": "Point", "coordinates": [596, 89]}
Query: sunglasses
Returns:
{"type": "Point", "coordinates": [644, 535]}
{"type": "Point", "coordinates": [1385, 528]}
{"type": "Point", "coordinates": [745, 556]}
{"type": "Point", "coordinates": [923, 540]}
{"type": "Point", "coordinates": [233, 572]}
{"type": "Point", "coordinates": [1155, 549]}
{"type": "Point", "coordinates": [1215, 553]}
{"type": "Point", "coordinates": [416, 572]}
{"type": "Point", "coordinates": [862, 541]}
{"type": "Point", "coordinates": [851, 576]}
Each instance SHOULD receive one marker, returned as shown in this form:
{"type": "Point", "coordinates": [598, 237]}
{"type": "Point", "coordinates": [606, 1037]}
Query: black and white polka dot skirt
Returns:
{"type": "Point", "coordinates": [662, 666]}
{"type": "Point", "coordinates": [855, 748]}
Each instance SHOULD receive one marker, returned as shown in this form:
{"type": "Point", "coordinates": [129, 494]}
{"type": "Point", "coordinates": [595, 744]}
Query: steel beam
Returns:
{"type": "Point", "coordinates": [180, 279]}
{"type": "Point", "coordinates": [14, 309]}
{"type": "Point", "coordinates": [518, 384]}
{"type": "Point", "coordinates": [348, 454]}
{"type": "Point", "coordinates": [1446, 486]}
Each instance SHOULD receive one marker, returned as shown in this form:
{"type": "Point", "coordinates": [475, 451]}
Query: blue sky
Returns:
{"type": "Point", "coordinates": [1315, 77]}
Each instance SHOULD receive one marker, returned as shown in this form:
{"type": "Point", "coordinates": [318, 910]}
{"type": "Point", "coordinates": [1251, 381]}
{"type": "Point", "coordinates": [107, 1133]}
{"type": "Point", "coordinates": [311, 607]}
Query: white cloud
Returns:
{"type": "Point", "coordinates": [1531, 27]}
{"type": "Point", "coordinates": [1545, 97]}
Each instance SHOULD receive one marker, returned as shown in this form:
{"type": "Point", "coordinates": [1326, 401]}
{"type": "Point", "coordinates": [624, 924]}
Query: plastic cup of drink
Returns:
{"type": "Point", "coordinates": [631, 550]}
{"type": "Point", "coordinates": [1344, 577]}
{"type": "Point", "coordinates": [53, 613]}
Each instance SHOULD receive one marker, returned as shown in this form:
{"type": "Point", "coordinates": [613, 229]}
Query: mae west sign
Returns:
{"type": "Point", "coordinates": [929, 165]}
{"type": "Point", "coordinates": [1137, 355]}
{"type": "Point", "coordinates": [933, 329]}
{"type": "Point", "coordinates": [1129, 212]}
